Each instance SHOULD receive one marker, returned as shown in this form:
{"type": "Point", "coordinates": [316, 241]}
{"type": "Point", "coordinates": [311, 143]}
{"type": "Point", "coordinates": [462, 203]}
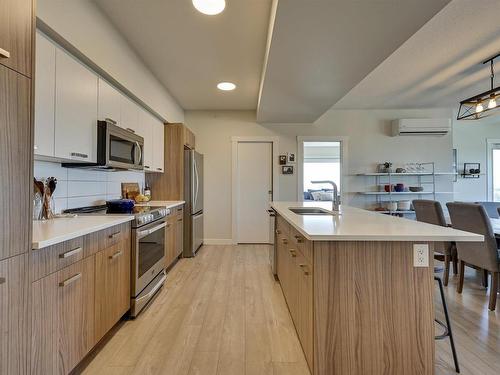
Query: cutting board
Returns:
{"type": "Point", "coordinates": [130, 190]}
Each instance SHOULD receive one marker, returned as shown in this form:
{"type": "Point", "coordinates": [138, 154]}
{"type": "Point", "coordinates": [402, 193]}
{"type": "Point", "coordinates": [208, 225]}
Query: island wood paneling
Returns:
{"type": "Point", "coordinates": [373, 311]}
{"type": "Point", "coordinates": [16, 148]}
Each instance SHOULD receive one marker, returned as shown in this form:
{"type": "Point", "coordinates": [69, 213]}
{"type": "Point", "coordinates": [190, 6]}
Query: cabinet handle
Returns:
{"type": "Point", "coordinates": [304, 267]}
{"type": "Point", "coordinates": [69, 253]}
{"type": "Point", "coordinates": [293, 253]}
{"type": "Point", "coordinates": [179, 209]}
{"type": "Point", "coordinates": [278, 231]}
{"type": "Point", "coordinates": [116, 255]}
{"type": "Point", "coordinates": [179, 219]}
{"type": "Point", "coordinates": [299, 239]}
{"type": "Point", "coordinates": [285, 241]}
{"type": "Point", "coordinates": [147, 167]}
{"type": "Point", "coordinates": [168, 225]}
{"type": "Point", "coordinates": [159, 169]}
{"type": "Point", "coordinates": [4, 53]}
{"type": "Point", "coordinates": [110, 120]}
{"type": "Point", "coordinates": [131, 130]}
{"type": "Point", "coordinates": [114, 235]}
{"type": "Point", "coordinates": [79, 155]}
{"type": "Point", "coordinates": [71, 280]}
{"type": "Point", "coordinates": [2, 280]}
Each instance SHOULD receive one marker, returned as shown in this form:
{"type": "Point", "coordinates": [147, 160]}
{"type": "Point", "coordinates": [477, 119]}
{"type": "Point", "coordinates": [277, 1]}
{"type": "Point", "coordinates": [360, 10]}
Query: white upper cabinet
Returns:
{"type": "Point", "coordinates": [109, 103]}
{"type": "Point", "coordinates": [145, 120]}
{"type": "Point", "coordinates": [158, 146]}
{"type": "Point", "coordinates": [76, 110]}
{"type": "Point", "coordinates": [44, 95]}
{"type": "Point", "coordinates": [129, 112]}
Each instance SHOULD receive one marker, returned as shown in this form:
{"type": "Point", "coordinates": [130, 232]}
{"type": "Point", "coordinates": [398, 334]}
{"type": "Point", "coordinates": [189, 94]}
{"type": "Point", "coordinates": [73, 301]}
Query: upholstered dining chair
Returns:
{"type": "Point", "coordinates": [472, 217]}
{"type": "Point", "coordinates": [431, 212]}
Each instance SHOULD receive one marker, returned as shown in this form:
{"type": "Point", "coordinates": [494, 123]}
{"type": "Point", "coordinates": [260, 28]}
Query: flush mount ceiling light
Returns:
{"type": "Point", "coordinates": [226, 86]}
{"type": "Point", "coordinates": [483, 104]}
{"type": "Point", "coordinates": [209, 7]}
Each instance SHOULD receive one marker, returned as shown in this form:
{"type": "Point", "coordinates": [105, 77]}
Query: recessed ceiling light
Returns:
{"type": "Point", "coordinates": [209, 7]}
{"type": "Point", "coordinates": [226, 86]}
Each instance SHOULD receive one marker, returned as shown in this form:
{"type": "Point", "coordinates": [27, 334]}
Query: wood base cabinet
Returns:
{"type": "Point", "coordinates": [174, 236]}
{"type": "Point", "coordinates": [112, 293]}
{"type": "Point", "coordinates": [14, 315]}
{"type": "Point", "coordinates": [63, 318]}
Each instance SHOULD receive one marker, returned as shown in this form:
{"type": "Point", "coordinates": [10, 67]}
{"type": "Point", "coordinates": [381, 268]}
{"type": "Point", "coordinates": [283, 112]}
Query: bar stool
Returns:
{"type": "Point", "coordinates": [447, 327]}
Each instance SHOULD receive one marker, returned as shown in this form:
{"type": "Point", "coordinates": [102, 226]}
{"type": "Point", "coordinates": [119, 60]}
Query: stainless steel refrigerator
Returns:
{"type": "Point", "coordinates": [193, 195]}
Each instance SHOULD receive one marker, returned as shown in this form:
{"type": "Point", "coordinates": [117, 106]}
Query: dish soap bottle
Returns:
{"type": "Point", "coordinates": [147, 192]}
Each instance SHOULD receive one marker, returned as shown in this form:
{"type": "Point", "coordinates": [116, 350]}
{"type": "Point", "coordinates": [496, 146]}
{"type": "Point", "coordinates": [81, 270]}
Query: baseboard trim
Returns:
{"type": "Point", "coordinates": [217, 241]}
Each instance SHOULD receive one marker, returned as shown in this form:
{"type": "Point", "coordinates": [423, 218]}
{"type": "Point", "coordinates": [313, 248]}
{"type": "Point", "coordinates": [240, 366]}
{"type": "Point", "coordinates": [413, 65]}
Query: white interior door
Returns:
{"type": "Point", "coordinates": [254, 181]}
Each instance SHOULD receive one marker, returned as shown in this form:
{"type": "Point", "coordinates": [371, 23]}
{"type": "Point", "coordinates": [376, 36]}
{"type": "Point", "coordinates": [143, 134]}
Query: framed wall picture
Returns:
{"type": "Point", "coordinates": [291, 157]}
{"type": "Point", "coordinates": [283, 159]}
{"type": "Point", "coordinates": [287, 169]}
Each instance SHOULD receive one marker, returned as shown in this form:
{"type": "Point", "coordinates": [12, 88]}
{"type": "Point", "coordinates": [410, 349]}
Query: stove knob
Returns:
{"type": "Point", "coordinates": [140, 220]}
{"type": "Point", "coordinates": [151, 217]}
{"type": "Point", "coordinates": [167, 211]}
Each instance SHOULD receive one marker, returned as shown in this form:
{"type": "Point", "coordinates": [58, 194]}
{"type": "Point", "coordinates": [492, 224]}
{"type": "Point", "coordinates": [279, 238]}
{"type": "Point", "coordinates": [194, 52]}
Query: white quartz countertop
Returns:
{"type": "Point", "coordinates": [355, 224]}
{"type": "Point", "coordinates": [51, 232]}
{"type": "Point", "coordinates": [166, 204]}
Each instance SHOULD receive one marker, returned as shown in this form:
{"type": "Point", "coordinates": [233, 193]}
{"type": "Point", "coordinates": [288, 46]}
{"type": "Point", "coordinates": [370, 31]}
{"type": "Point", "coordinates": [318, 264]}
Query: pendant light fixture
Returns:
{"type": "Point", "coordinates": [483, 104]}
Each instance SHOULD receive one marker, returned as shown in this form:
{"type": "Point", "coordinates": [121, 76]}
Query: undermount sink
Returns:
{"type": "Point", "coordinates": [310, 211]}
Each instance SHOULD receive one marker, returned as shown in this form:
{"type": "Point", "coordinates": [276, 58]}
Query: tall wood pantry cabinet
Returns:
{"type": "Point", "coordinates": [16, 149]}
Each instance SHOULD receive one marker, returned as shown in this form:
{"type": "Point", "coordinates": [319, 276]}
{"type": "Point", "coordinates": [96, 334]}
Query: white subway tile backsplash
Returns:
{"type": "Point", "coordinates": [86, 188]}
{"type": "Point", "coordinates": [44, 169]}
{"type": "Point", "coordinates": [83, 187]}
{"type": "Point", "coordinates": [75, 174]}
{"type": "Point", "coordinates": [95, 200]}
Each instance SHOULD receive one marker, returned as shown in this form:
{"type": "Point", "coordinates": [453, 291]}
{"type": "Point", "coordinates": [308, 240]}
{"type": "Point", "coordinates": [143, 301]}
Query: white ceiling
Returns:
{"type": "Point", "coordinates": [190, 52]}
{"type": "Point", "coordinates": [439, 65]}
{"type": "Point", "coordinates": [321, 49]}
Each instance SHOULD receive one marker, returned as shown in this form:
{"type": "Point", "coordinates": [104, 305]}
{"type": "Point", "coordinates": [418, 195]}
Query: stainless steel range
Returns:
{"type": "Point", "coordinates": [148, 251]}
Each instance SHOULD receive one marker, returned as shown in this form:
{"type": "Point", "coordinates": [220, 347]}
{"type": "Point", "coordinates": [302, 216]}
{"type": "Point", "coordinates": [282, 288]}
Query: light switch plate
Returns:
{"type": "Point", "coordinates": [420, 255]}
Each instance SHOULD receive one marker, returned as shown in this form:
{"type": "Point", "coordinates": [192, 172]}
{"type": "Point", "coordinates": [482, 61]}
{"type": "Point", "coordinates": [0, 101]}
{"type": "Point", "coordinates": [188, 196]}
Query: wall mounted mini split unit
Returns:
{"type": "Point", "coordinates": [421, 126]}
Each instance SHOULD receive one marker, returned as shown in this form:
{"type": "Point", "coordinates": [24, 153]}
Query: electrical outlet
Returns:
{"type": "Point", "coordinates": [420, 255]}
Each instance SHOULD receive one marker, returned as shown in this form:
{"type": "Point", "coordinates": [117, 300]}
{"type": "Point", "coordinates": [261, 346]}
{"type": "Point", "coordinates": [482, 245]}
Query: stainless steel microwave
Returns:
{"type": "Point", "coordinates": [117, 148]}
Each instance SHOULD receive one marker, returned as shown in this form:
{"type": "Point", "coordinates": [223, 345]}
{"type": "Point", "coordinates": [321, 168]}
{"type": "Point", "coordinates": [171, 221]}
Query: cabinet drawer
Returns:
{"type": "Point", "coordinates": [179, 210]}
{"type": "Point", "coordinates": [282, 227]}
{"type": "Point", "coordinates": [302, 244]}
{"type": "Point", "coordinates": [56, 257]}
{"type": "Point", "coordinates": [111, 236]}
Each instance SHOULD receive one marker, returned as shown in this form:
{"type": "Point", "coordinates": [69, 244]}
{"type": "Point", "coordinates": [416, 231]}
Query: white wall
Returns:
{"type": "Point", "coordinates": [369, 143]}
{"type": "Point", "coordinates": [470, 140]}
{"type": "Point", "coordinates": [82, 24]}
{"type": "Point", "coordinates": [81, 187]}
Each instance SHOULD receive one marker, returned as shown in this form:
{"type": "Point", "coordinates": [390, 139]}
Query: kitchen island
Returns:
{"type": "Point", "coordinates": [359, 287]}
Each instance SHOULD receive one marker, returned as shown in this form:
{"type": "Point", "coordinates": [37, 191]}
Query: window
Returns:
{"type": "Point", "coordinates": [321, 161]}
{"type": "Point", "coordinates": [495, 164]}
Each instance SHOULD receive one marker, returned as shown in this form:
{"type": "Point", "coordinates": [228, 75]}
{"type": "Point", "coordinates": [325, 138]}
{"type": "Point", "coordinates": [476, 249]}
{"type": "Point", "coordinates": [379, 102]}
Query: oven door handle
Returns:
{"type": "Point", "coordinates": [154, 290]}
{"type": "Point", "coordinates": [147, 232]}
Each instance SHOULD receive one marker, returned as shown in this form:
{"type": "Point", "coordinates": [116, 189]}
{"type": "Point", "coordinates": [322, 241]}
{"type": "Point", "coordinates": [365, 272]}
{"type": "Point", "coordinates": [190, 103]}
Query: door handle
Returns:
{"type": "Point", "coordinates": [4, 53]}
{"type": "Point", "coordinates": [71, 280]}
{"type": "Point", "coordinates": [116, 255]}
{"type": "Point", "coordinates": [69, 253]}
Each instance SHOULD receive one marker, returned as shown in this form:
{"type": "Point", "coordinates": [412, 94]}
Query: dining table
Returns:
{"type": "Point", "coordinates": [495, 224]}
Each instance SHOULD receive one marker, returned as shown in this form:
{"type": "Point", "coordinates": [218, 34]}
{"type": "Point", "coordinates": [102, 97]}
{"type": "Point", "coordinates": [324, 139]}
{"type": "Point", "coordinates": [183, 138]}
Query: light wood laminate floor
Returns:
{"type": "Point", "coordinates": [222, 313]}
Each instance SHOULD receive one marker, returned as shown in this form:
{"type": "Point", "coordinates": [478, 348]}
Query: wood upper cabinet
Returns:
{"type": "Point", "coordinates": [16, 29]}
{"type": "Point", "coordinates": [189, 139]}
{"type": "Point", "coordinates": [63, 318]}
{"type": "Point", "coordinates": [112, 286]}
{"type": "Point", "coordinates": [76, 110]}
{"type": "Point", "coordinates": [15, 163]}
{"type": "Point", "coordinates": [14, 315]}
{"type": "Point", "coordinates": [109, 102]}
{"type": "Point", "coordinates": [45, 72]}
